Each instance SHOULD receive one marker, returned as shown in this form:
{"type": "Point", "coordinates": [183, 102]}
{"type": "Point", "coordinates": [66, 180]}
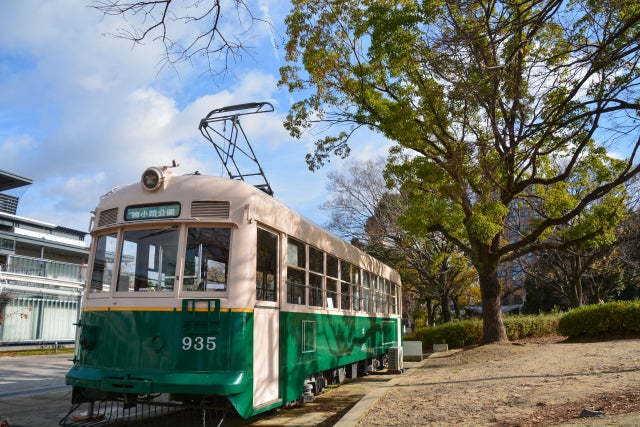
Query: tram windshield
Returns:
{"type": "Point", "coordinates": [148, 260]}
{"type": "Point", "coordinates": [207, 259]}
{"type": "Point", "coordinates": [149, 257]}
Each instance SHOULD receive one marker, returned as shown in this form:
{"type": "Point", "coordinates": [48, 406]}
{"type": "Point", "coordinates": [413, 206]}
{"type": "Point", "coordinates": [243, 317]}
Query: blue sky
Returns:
{"type": "Point", "coordinates": [82, 112]}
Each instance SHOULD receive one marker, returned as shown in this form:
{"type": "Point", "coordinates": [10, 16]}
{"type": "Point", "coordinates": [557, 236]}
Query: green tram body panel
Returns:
{"type": "Point", "coordinates": [165, 351]}
{"type": "Point", "coordinates": [146, 352]}
{"type": "Point", "coordinates": [312, 343]}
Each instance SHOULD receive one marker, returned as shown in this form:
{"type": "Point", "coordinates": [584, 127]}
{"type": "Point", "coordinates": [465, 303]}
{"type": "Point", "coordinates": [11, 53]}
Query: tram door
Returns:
{"type": "Point", "coordinates": [266, 322]}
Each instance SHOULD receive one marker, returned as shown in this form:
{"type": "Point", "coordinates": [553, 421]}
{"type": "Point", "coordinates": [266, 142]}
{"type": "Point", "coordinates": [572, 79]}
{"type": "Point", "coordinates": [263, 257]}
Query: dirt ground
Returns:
{"type": "Point", "coordinates": [527, 383]}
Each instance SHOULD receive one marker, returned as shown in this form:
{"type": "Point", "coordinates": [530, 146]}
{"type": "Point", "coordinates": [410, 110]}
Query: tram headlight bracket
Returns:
{"type": "Point", "coordinates": [152, 178]}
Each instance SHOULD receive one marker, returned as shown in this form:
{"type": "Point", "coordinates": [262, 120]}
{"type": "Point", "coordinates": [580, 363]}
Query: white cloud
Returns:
{"type": "Point", "coordinates": [82, 112]}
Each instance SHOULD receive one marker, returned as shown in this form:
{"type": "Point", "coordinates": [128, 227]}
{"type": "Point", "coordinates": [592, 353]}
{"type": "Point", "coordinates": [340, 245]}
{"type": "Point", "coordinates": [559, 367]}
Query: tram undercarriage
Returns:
{"type": "Point", "coordinates": [116, 409]}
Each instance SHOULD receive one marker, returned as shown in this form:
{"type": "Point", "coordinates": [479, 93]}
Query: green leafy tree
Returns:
{"type": "Point", "coordinates": [584, 269]}
{"type": "Point", "coordinates": [494, 102]}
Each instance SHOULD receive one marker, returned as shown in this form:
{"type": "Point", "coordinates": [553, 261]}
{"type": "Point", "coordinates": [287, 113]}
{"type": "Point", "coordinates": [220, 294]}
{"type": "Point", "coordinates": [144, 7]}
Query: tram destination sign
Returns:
{"type": "Point", "coordinates": [137, 213]}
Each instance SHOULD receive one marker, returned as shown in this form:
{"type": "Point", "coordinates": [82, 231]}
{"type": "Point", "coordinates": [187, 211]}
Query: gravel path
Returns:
{"type": "Point", "coordinates": [517, 384]}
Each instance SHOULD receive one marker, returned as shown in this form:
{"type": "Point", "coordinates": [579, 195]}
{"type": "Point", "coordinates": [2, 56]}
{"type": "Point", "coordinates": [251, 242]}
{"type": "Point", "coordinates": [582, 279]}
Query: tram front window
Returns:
{"type": "Point", "coordinates": [207, 259]}
{"type": "Point", "coordinates": [148, 260]}
{"type": "Point", "coordinates": [102, 270]}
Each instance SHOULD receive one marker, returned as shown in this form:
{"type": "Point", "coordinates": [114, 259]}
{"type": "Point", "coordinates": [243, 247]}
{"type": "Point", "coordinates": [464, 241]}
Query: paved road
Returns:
{"type": "Point", "coordinates": [32, 389]}
{"type": "Point", "coordinates": [33, 394]}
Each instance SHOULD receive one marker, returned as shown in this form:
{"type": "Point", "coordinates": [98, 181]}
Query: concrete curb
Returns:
{"type": "Point", "coordinates": [354, 414]}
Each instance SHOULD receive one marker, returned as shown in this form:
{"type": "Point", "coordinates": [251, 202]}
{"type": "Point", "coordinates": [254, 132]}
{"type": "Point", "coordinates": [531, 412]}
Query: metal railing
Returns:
{"type": "Point", "coordinates": [18, 264]}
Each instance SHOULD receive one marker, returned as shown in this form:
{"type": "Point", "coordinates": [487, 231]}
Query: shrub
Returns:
{"type": "Point", "coordinates": [455, 334]}
{"type": "Point", "coordinates": [612, 318]}
{"type": "Point", "coordinates": [469, 332]}
{"type": "Point", "coordinates": [519, 327]}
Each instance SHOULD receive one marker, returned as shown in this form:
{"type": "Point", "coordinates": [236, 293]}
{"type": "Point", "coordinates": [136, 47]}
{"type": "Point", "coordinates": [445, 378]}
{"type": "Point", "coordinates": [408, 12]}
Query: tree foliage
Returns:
{"type": "Point", "coordinates": [495, 103]}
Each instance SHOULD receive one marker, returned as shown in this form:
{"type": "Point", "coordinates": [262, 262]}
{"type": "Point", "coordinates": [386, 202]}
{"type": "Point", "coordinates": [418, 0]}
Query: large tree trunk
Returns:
{"type": "Point", "coordinates": [431, 312]}
{"type": "Point", "coordinates": [493, 327]}
{"type": "Point", "coordinates": [444, 306]}
{"type": "Point", "coordinates": [456, 305]}
{"type": "Point", "coordinates": [575, 294]}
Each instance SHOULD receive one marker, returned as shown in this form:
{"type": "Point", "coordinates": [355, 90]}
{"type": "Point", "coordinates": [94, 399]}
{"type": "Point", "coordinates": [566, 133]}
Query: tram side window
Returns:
{"type": "Point", "coordinates": [297, 264]}
{"type": "Point", "coordinates": [379, 295]}
{"type": "Point", "coordinates": [316, 261]}
{"type": "Point", "coordinates": [295, 287]}
{"type": "Point", "coordinates": [316, 264]}
{"type": "Point", "coordinates": [266, 266]}
{"type": "Point", "coordinates": [148, 260]}
{"type": "Point", "coordinates": [374, 293]}
{"type": "Point", "coordinates": [365, 291]}
{"type": "Point", "coordinates": [207, 259]}
{"type": "Point", "coordinates": [385, 298]}
{"type": "Point", "coordinates": [394, 299]}
{"type": "Point", "coordinates": [356, 277]}
{"type": "Point", "coordinates": [345, 285]}
{"type": "Point", "coordinates": [332, 282]}
{"type": "Point", "coordinates": [332, 293]}
{"type": "Point", "coordinates": [103, 263]}
{"type": "Point", "coordinates": [315, 290]}
{"type": "Point", "coordinates": [382, 297]}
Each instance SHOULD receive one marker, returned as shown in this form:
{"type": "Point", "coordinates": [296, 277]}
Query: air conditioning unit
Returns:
{"type": "Point", "coordinates": [395, 360]}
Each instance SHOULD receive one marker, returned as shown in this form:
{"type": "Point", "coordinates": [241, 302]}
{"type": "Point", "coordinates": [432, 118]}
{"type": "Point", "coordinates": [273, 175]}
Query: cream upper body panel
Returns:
{"type": "Point", "coordinates": [214, 199]}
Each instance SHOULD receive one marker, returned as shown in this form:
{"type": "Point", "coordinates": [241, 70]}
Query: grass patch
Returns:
{"type": "Point", "coordinates": [35, 352]}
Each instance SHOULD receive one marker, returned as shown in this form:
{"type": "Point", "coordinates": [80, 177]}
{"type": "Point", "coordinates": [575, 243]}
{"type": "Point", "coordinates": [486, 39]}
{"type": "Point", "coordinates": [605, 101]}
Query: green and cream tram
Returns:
{"type": "Point", "coordinates": [208, 291]}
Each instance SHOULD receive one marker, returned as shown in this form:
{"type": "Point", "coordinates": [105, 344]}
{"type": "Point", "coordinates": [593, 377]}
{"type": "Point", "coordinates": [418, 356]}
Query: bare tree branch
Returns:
{"type": "Point", "coordinates": [156, 21]}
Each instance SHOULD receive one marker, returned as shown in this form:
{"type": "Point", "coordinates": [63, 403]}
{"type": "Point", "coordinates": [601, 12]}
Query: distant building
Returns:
{"type": "Point", "coordinates": [42, 271]}
{"type": "Point", "coordinates": [511, 274]}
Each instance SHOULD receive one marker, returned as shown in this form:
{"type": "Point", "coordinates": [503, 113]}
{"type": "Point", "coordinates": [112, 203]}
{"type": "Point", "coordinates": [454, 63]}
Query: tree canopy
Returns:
{"type": "Point", "coordinates": [495, 103]}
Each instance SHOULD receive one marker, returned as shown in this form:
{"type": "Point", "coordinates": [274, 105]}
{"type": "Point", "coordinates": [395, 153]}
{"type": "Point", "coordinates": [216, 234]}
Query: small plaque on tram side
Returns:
{"type": "Point", "coordinates": [137, 213]}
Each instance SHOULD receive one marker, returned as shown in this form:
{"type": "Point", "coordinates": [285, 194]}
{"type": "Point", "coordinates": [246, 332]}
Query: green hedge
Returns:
{"type": "Point", "coordinates": [469, 332]}
{"type": "Point", "coordinates": [618, 318]}
{"type": "Point", "coordinates": [613, 318]}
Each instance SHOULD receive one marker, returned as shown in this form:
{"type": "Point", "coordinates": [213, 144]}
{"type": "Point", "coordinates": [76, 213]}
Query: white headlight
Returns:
{"type": "Point", "coordinates": [152, 179]}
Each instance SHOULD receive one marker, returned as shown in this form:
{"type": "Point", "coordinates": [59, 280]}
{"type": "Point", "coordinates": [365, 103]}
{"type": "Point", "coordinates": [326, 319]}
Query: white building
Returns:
{"type": "Point", "coordinates": [42, 271]}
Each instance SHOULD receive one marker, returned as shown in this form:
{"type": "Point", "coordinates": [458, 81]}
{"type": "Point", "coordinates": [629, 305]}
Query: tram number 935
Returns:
{"type": "Point", "coordinates": [199, 343]}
